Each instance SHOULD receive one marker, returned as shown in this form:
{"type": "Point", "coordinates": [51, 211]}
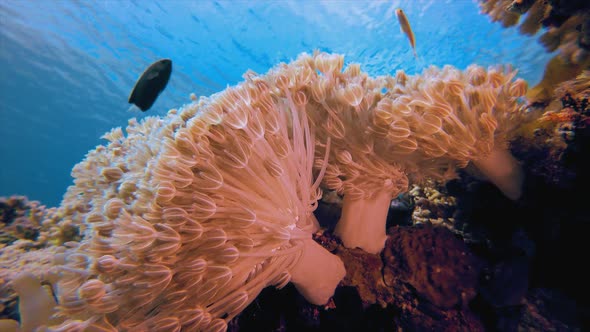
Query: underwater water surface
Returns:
{"type": "Point", "coordinates": [68, 66]}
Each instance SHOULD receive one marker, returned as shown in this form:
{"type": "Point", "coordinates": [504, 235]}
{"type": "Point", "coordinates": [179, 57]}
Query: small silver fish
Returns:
{"type": "Point", "coordinates": [150, 84]}
{"type": "Point", "coordinates": [405, 28]}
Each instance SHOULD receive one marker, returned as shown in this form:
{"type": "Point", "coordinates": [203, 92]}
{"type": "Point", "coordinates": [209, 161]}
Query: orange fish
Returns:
{"type": "Point", "coordinates": [405, 27]}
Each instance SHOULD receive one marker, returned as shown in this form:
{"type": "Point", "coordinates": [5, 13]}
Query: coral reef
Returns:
{"type": "Point", "coordinates": [183, 221]}
{"type": "Point", "coordinates": [556, 72]}
{"type": "Point", "coordinates": [29, 220]}
{"type": "Point", "coordinates": [568, 30]}
{"type": "Point", "coordinates": [547, 143]}
{"type": "Point", "coordinates": [27, 234]}
{"type": "Point", "coordinates": [530, 246]}
{"type": "Point", "coordinates": [433, 205]}
{"type": "Point", "coordinates": [20, 219]}
{"type": "Point", "coordinates": [567, 23]}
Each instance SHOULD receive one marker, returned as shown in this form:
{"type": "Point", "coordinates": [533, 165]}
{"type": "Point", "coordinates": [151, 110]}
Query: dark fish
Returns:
{"type": "Point", "coordinates": [150, 84]}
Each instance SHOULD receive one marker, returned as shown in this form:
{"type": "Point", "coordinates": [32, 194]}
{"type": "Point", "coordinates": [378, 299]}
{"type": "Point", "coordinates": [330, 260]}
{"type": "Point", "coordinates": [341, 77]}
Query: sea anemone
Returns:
{"type": "Point", "coordinates": [452, 118]}
{"type": "Point", "coordinates": [387, 132]}
{"type": "Point", "coordinates": [213, 205]}
{"type": "Point", "coordinates": [367, 179]}
{"type": "Point", "coordinates": [340, 105]}
{"type": "Point", "coordinates": [431, 124]}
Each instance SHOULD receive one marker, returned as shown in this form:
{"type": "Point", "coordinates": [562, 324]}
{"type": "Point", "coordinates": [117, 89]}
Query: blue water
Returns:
{"type": "Point", "coordinates": [67, 67]}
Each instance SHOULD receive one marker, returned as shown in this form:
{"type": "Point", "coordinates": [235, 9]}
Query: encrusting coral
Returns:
{"type": "Point", "coordinates": [187, 218]}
